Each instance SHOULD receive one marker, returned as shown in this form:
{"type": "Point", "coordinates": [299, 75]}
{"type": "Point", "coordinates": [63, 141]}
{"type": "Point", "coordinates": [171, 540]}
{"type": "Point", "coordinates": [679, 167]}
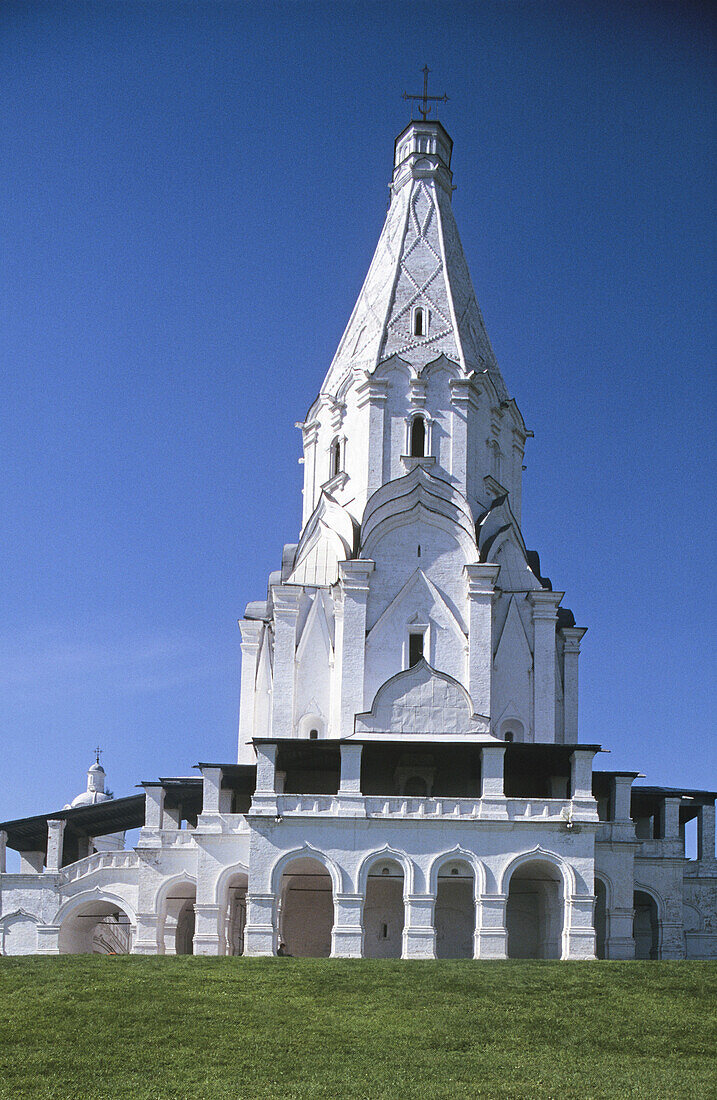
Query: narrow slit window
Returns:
{"type": "Point", "coordinates": [384, 931]}
{"type": "Point", "coordinates": [418, 437]}
{"type": "Point", "coordinates": [419, 322]}
{"type": "Point", "coordinates": [335, 458]}
{"type": "Point", "coordinates": [415, 649]}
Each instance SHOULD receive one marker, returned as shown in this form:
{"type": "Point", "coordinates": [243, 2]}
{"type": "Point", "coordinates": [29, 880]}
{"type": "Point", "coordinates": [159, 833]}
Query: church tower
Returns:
{"type": "Point", "coordinates": [409, 783]}
{"type": "Point", "coordinates": [411, 569]}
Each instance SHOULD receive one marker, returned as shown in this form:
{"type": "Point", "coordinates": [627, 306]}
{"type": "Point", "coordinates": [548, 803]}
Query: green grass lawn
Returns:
{"type": "Point", "coordinates": [91, 1027]}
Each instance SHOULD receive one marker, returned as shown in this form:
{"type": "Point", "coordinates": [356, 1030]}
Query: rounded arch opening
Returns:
{"type": "Point", "coordinates": [534, 911]}
{"type": "Point", "coordinates": [305, 917]}
{"type": "Point", "coordinates": [384, 909]}
{"type": "Point", "coordinates": [175, 907]}
{"type": "Point", "coordinates": [455, 910]}
{"type": "Point", "coordinates": [646, 925]}
{"type": "Point", "coordinates": [232, 891]}
{"type": "Point", "coordinates": [99, 926]}
{"type": "Point", "coordinates": [601, 918]}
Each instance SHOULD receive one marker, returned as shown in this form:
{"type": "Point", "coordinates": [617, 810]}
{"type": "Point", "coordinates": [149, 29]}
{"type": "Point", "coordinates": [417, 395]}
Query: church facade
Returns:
{"type": "Point", "coordinates": [410, 781]}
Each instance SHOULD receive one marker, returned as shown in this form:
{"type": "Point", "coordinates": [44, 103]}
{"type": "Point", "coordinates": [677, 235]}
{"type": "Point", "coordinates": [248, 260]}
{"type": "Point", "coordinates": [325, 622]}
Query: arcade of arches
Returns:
{"type": "Point", "coordinates": [304, 915]}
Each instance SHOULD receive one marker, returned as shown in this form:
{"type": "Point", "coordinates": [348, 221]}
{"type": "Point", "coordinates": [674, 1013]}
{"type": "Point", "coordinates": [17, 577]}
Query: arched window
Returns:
{"type": "Point", "coordinates": [418, 437]}
{"type": "Point", "coordinates": [509, 735]}
{"type": "Point", "coordinates": [419, 321]}
{"type": "Point", "coordinates": [335, 458]}
{"type": "Point", "coordinates": [313, 735]}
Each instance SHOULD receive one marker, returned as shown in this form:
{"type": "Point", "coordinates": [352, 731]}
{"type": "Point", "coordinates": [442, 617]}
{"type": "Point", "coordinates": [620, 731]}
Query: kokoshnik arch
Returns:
{"type": "Point", "coordinates": [410, 780]}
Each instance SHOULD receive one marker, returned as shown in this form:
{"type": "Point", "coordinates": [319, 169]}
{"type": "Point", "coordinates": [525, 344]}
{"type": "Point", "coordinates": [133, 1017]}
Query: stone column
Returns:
{"type": "Point", "coordinates": [670, 821]}
{"type": "Point", "coordinates": [622, 795]}
{"type": "Point", "coordinates": [211, 790]}
{"type": "Point", "coordinates": [347, 933]}
{"type": "Point", "coordinates": [259, 932]}
{"type": "Point", "coordinates": [481, 591]}
{"type": "Point", "coordinates": [353, 581]}
{"type": "Point", "coordinates": [571, 652]}
{"type": "Point", "coordinates": [172, 817]}
{"type": "Point", "coordinates": [492, 779]}
{"type": "Point", "coordinates": [153, 806]}
{"type": "Point", "coordinates": [264, 800]}
{"type": "Point", "coordinates": [419, 935]}
{"type": "Point", "coordinates": [3, 851]}
{"type": "Point", "coordinates": [55, 835]}
{"type": "Point", "coordinates": [250, 639]}
{"type": "Point", "coordinates": [581, 774]}
{"type": "Point", "coordinates": [490, 940]}
{"type": "Point", "coordinates": [286, 600]}
{"type": "Point", "coordinates": [545, 613]}
{"type": "Point", "coordinates": [706, 834]}
{"type": "Point", "coordinates": [350, 797]}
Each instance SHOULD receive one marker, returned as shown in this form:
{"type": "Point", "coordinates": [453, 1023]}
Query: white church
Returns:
{"type": "Point", "coordinates": [410, 781]}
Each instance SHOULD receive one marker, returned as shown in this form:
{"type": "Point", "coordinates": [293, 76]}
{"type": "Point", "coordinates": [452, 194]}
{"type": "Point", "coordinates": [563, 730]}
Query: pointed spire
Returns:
{"type": "Point", "coordinates": [417, 300]}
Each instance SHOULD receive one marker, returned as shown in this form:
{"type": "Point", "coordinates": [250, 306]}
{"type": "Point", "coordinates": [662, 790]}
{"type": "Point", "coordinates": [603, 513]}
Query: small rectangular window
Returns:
{"type": "Point", "coordinates": [415, 649]}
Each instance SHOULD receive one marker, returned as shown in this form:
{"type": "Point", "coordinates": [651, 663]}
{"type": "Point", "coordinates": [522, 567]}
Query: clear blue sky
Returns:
{"type": "Point", "coordinates": [191, 197]}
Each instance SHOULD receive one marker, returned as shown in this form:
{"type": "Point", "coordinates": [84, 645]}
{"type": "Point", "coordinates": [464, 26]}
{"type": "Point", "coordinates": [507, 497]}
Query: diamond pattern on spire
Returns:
{"type": "Point", "coordinates": [418, 261]}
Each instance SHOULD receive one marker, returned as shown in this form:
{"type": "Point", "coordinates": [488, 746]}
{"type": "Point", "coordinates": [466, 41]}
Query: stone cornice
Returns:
{"type": "Point", "coordinates": [545, 604]}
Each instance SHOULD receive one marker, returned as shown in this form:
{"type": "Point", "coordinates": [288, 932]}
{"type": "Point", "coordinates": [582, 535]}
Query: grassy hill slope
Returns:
{"type": "Point", "coordinates": [103, 1028]}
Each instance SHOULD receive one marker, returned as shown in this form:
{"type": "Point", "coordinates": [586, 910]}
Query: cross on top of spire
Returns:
{"type": "Point", "coordinates": [98, 754]}
{"type": "Point", "coordinates": [424, 107]}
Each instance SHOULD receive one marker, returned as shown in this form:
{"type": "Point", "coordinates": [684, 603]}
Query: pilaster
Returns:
{"type": "Point", "coordinates": [419, 935]}
{"type": "Point", "coordinates": [250, 638]}
{"type": "Point", "coordinates": [259, 931]}
{"type": "Point", "coordinates": [545, 613]}
{"type": "Point", "coordinates": [579, 928]}
{"type": "Point", "coordinates": [491, 934]}
{"type": "Point", "coordinates": [48, 939]}
{"type": "Point", "coordinates": [571, 652]}
{"type": "Point", "coordinates": [354, 587]}
{"type": "Point", "coordinates": [373, 393]}
{"type": "Point", "coordinates": [146, 935]}
{"type": "Point", "coordinates": [347, 934]}
{"type": "Point", "coordinates": [481, 592]}
{"type": "Point", "coordinates": [286, 599]}
{"type": "Point", "coordinates": [461, 399]}
{"type": "Point", "coordinates": [3, 851]}
{"type": "Point", "coordinates": [206, 929]}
